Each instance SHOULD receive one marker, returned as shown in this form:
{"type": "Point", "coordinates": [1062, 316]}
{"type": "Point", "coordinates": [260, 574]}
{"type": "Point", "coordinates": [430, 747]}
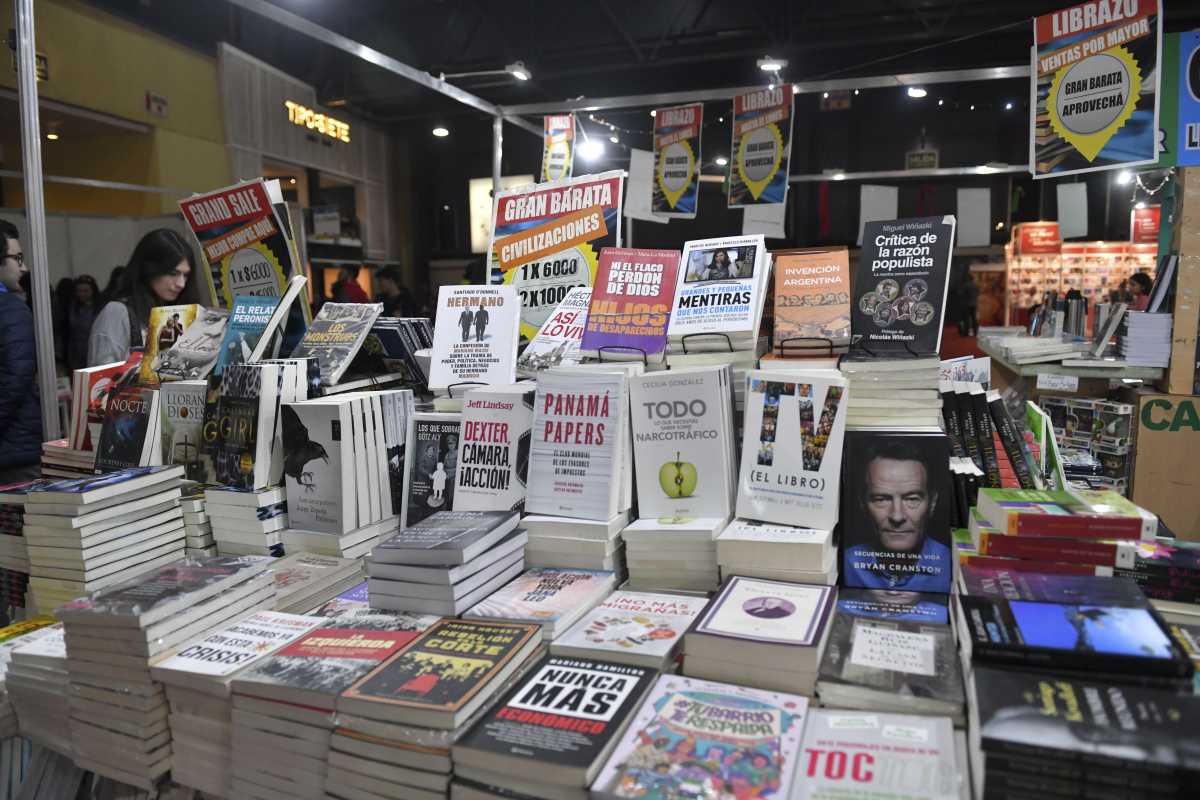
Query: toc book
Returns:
{"type": "Point", "coordinates": [475, 336]}
{"type": "Point", "coordinates": [643, 628]}
{"type": "Point", "coordinates": [682, 424]}
{"type": "Point", "coordinates": [792, 447]}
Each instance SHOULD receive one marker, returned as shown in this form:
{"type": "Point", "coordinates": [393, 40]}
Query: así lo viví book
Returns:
{"type": "Point", "coordinates": [475, 336]}
{"type": "Point", "coordinates": [557, 341]}
{"type": "Point", "coordinates": [493, 450]}
{"type": "Point", "coordinates": [681, 425]}
{"type": "Point", "coordinates": [319, 466]}
{"type": "Point", "coordinates": [181, 406]}
{"type": "Point", "coordinates": [900, 285]}
{"type": "Point", "coordinates": [792, 447]}
{"type": "Point", "coordinates": [166, 327]}
{"type": "Point", "coordinates": [631, 304]}
{"type": "Point", "coordinates": [698, 737]}
{"type": "Point", "coordinates": [632, 628]}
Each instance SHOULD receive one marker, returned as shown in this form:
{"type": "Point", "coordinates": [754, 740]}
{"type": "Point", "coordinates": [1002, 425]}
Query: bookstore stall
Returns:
{"type": "Point", "coordinates": [727, 526]}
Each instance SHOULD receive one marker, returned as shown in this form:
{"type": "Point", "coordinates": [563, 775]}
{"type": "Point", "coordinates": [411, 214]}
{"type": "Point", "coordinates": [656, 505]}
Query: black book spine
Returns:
{"type": "Point", "coordinates": [983, 427]}
{"type": "Point", "coordinates": [953, 423]}
{"type": "Point", "coordinates": [1071, 770]}
{"type": "Point", "coordinates": [962, 508]}
{"type": "Point", "coordinates": [1011, 440]}
{"type": "Point", "coordinates": [970, 435]}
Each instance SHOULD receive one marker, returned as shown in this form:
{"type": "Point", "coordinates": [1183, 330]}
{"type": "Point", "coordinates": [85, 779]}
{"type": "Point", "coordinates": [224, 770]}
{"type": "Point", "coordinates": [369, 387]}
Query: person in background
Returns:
{"type": "Point", "coordinates": [20, 403]}
{"type": "Point", "coordinates": [969, 296]}
{"type": "Point", "coordinates": [81, 313]}
{"type": "Point", "coordinates": [114, 284]}
{"type": "Point", "coordinates": [347, 290]}
{"type": "Point", "coordinates": [159, 274]}
{"type": "Point", "coordinates": [63, 291]}
{"type": "Point", "coordinates": [1140, 285]}
{"type": "Point", "coordinates": [397, 301]}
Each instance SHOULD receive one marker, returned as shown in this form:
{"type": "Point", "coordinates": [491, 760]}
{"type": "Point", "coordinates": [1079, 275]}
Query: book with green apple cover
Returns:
{"type": "Point", "coordinates": [1083, 514]}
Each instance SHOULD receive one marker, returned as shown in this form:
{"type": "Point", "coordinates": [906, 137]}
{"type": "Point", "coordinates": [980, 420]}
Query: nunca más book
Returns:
{"type": "Point", "coordinates": [493, 450]}
{"type": "Point", "coordinates": [475, 336]}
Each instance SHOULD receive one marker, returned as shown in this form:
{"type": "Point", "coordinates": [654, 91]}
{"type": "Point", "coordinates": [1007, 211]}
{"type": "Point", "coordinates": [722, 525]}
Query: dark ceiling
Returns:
{"type": "Point", "coordinates": [606, 47]}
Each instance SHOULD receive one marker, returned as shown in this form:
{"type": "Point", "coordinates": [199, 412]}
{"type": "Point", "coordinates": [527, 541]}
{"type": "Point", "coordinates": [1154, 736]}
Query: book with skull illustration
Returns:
{"type": "Point", "coordinates": [319, 465]}
{"type": "Point", "coordinates": [792, 447]}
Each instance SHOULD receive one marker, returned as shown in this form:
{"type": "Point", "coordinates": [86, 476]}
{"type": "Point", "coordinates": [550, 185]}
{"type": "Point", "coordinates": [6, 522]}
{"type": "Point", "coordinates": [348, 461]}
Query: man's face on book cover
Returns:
{"type": "Point", "coordinates": [898, 501]}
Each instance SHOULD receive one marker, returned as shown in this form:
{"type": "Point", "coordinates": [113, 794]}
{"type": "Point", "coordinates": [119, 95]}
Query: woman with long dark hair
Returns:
{"type": "Point", "coordinates": [159, 273]}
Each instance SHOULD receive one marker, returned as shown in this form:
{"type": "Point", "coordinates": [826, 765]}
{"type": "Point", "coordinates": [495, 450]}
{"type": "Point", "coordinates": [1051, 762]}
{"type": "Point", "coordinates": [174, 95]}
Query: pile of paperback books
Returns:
{"type": "Point", "coordinates": [673, 553]}
{"type": "Point", "coordinates": [552, 598]}
{"type": "Point", "coordinates": [197, 527]}
{"type": "Point", "coordinates": [304, 581]}
{"type": "Point", "coordinates": [37, 682]}
{"type": "Point", "coordinates": [119, 712]}
{"type": "Point", "coordinates": [777, 552]}
{"type": "Point", "coordinates": [577, 543]}
{"type": "Point", "coordinates": [247, 523]}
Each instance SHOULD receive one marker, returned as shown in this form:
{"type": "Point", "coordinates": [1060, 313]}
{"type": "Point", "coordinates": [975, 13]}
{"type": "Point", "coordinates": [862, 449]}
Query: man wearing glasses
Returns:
{"type": "Point", "coordinates": [20, 408]}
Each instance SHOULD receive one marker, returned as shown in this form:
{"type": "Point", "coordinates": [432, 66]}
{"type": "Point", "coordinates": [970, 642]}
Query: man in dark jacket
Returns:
{"type": "Point", "coordinates": [20, 407]}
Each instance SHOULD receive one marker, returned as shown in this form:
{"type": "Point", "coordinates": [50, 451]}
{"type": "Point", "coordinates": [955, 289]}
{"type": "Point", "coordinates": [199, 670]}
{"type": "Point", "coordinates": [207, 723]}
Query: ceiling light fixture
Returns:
{"type": "Point", "coordinates": [1124, 177]}
{"type": "Point", "coordinates": [916, 92]}
{"type": "Point", "coordinates": [720, 161]}
{"type": "Point", "coordinates": [517, 70]}
{"type": "Point", "coordinates": [614, 139]}
{"type": "Point", "coordinates": [653, 113]}
{"type": "Point", "coordinates": [292, 181]}
{"type": "Point", "coordinates": [1008, 106]}
{"type": "Point", "coordinates": [441, 132]}
{"type": "Point", "coordinates": [839, 176]}
{"type": "Point", "coordinates": [769, 64]}
{"type": "Point", "coordinates": [825, 95]}
{"type": "Point", "coordinates": [1140, 204]}
{"type": "Point", "coordinates": [591, 149]}
{"type": "Point", "coordinates": [856, 92]}
{"type": "Point", "coordinates": [52, 136]}
{"type": "Point", "coordinates": [940, 102]}
{"type": "Point", "coordinates": [972, 106]}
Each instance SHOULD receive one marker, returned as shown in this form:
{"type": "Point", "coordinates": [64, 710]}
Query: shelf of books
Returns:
{"type": "Point", "coordinates": [662, 550]}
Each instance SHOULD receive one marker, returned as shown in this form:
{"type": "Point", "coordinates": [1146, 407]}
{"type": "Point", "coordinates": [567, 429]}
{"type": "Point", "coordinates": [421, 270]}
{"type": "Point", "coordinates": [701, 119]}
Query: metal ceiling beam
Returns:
{"type": "Point", "coordinates": [801, 87]}
{"type": "Point", "coordinates": [311, 29]}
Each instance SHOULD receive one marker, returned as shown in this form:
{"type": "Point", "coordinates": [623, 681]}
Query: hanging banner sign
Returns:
{"type": "Point", "coordinates": [558, 146]}
{"type": "Point", "coordinates": [546, 239]}
{"type": "Point", "coordinates": [762, 147]}
{"type": "Point", "coordinates": [677, 161]}
{"type": "Point", "coordinates": [1095, 89]}
{"type": "Point", "coordinates": [1187, 146]}
{"type": "Point", "coordinates": [1144, 224]}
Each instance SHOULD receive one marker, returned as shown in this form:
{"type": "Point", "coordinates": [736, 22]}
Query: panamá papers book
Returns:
{"type": "Point", "coordinates": [318, 466]}
{"type": "Point", "coordinates": [900, 285]}
{"type": "Point", "coordinates": [493, 451]}
{"type": "Point", "coordinates": [632, 628]}
{"type": "Point", "coordinates": [166, 327]}
{"type": "Point", "coordinates": [708, 721]}
{"type": "Point", "coordinates": [681, 419]}
{"type": "Point", "coordinates": [475, 336]}
{"type": "Point", "coordinates": [812, 300]}
{"type": "Point", "coordinates": [792, 447]}
{"type": "Point", "coordinates": [576, 454]}
{"type": "Point", "coordinates": [181, 404]}
{"type": "Point", "coordinates": [547, 596]}
{"type": "Point", "coordinates": [430, 466]}
{"type": "Point", "coordinates": [335, 335]}
{"type": "Point", "coordinates": [631, 304]}
{"type": "Point", "coordinates": [896, 503]}
{"type": "Point", "coordinates": [720, 289]}
{"type": "Point", "coordinates": [768, 611]}
{"type": "Point", "coordinates": [557, 341]}
{"type": "Point", "coordinates": [195, 352]}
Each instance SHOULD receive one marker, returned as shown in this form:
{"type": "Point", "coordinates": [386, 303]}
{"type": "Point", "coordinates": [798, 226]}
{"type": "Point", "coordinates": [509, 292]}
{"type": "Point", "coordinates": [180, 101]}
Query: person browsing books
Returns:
{"type": "Point", "coordinates": [20, 402]}
{"type": "Point", "coordinates": [161, 272]}
{"type": "Point", "coordinates": [899, 502]}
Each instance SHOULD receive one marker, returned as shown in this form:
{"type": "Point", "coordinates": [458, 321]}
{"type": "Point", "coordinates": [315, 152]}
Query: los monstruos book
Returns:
{"type": "Point", "coordinates": [561, 720]}
{"type": "Point", "coordinates": [719, 292]}
{"type": "Point", "coordinates": [493, 450]}
{"type": "Point", "coordinates": [128, 437]}
{"type": "Point", "coordinates": [631, 304]}
{"type": "Point", "coordinates": [443, 675]}
{"type": "Point", "coordinates": [712, 723]}
{"type": "Point", "coordinates": [475, 336]}
{"type": "Point", "coordinates": [812, 301]}
{"type": "Point", "coordinates": [181, 406]}
{"type": "Point", "coordinates": [335, 335]}
{"type": "Point", "coordinates": [575, 456]}
{"type": "Point", "coordinates": [553, 598]}
{"type": "Point", "coordinates": [430, 465]}
{"type": "Point", "coordinates": [557, 341]}
{"type": "Point", "coordinates": [682, 424]}
{"type": "Point", "coordinates": [900, 285]}
{"type": "Point", "coordinates": [166, 327]}
{"type": "Point", "coordinates": [195, 352]}
{"type": "Point", "coordinates": [896, 503]}
{"type": "Point", "coordinates": [642, 628]}
{"type": "Point", "coordinates": [446, 538]}
{"type": "Point", "coordinates": [873, 756]}
{"type": "Point", "coordinates": [792, 440]}
{"type": "Point", "coordinates": [319, 466]}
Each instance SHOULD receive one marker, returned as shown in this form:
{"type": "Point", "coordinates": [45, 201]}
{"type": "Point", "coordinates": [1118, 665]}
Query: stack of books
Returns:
{"type": "Point", "coordinates": [37, 683]}
{"type": "Point", "coordinates": [892, 651]}
{"type": "Point", "coordinates": [355, 544]}
{"type": "Point", "coordinates": [1144, 339]}
{"type": "Point", "coordinates": [1036, 736]}
{"type": "Point", "coordinates": [1168, 572]}
{"type": "Point", "coordinates": [643, 762]}
{"type": "Point", "coordinates": [447, 562]}
{"type": "Point", "coordinates": [89, 533]}
{"type": "Point", "coordinates": [14, 555]}
{"type": "Point", "coordinates": [283, 706]}
{"type": "Point", "coordinates": [131, 435]}
{"type": "Point", "coordinates": [305, 581]}
{"type": "Point", "coordinates": [765, 634]}
{"type": "Point", "coordinates": [642, 629]}
{"type": "Point", "coordinates": [247, 522]}
{"type": "Point", "coordinates": [575, 543]}
{"type": "Point", "coordinates": [552, 598]}
{"type": "Point", "coordinates": [119, 712]}
{"type": "Point", "coordinates": [12, 637]}
{"type": "Point", "coordinates": [197, 681]}
{"type": "Point", "coordinates": [1021, 350]}
{"type": "Point", "coordinates": [401, 718]}
{"type": "Point", "coordinates": [673, 553]}
{"type": "Point", "coordinates": [534, 746]}
{"type": "Point", "coordinates": [892, 392]}
{"type": "Point", "coordinates": [777, 552]}
{"type": "Point", "coordinates": [197, 528]}
{"type": "Point", "coordinates": [60, 460]}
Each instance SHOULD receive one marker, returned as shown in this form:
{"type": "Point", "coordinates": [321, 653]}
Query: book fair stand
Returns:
{"type": "Point", "coordinates": [710, 519]}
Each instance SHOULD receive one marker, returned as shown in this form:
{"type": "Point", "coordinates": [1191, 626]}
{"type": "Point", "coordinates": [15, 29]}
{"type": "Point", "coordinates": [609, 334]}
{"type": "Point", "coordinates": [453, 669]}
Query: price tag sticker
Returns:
{"type": "Point", "coordinates": [1058, 383]}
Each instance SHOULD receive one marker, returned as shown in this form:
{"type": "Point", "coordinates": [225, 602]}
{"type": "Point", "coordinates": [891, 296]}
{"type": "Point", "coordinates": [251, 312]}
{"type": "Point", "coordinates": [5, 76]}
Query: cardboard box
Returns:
{"type": "Point", "coordinates": [1166, 478]}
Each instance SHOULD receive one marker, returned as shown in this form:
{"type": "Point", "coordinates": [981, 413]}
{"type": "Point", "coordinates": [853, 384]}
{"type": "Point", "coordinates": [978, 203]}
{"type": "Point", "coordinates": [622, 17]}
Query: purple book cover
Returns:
{"type": "Point", "coordinates": [631, 300]}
